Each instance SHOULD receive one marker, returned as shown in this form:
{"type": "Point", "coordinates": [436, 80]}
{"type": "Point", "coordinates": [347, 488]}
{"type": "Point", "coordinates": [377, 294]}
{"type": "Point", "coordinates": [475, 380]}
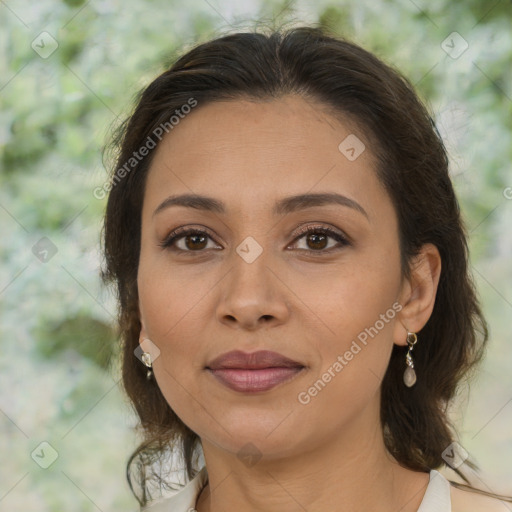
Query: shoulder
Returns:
{"type": "Point", "coordinates": [468, 501]}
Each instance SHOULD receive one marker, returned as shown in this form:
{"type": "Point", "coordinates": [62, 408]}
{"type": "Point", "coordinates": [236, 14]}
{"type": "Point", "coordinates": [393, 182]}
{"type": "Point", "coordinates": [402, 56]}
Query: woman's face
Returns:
{"type": "Point", "coordinates": [251, 280]}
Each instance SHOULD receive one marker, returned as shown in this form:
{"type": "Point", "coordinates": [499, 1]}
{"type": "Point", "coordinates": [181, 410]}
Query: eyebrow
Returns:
{"type": "Point", "coordinates": [282, 207]}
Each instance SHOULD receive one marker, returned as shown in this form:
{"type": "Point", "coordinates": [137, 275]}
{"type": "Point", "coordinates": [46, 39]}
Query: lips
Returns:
{"type": "Point", "coordinates": [256, 372]}
{"type": "Point", "coordinates": [255, 361]}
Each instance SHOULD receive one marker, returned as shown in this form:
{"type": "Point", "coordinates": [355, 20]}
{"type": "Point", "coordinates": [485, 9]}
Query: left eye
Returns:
{"type": "Point", "coordinates": [317, 239]}
{"type": "Point", "coordinates": [196, 240]}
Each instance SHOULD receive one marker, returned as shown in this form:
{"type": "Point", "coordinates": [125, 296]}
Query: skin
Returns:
{"type": "Point", "coordinates": [328, 454]}
{"type": "Point", "coordinates": [464, 501]}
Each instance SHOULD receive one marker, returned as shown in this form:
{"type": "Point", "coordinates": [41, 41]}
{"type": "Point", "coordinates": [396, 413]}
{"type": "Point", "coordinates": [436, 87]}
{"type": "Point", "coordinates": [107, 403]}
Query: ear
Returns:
{"type": "Point", "coordinates": [418, 293]}
{"type": "Point", "coordinates": [143, 333]}
{"type": "Point", "coordinates": [146, 344]}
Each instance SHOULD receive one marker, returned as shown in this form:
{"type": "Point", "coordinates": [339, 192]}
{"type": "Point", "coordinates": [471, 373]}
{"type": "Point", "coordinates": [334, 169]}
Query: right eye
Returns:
{"type": "Point", "coordinates": [194, 240]}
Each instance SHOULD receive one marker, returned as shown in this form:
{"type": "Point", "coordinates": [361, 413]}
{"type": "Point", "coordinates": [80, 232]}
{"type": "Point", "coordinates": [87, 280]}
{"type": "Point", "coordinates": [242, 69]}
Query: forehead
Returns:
{"type": "Point", "coordinates": [257, 150]}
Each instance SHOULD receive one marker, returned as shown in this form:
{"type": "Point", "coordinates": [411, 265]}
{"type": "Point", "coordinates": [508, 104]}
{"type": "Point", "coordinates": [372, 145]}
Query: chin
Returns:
{"type": "Point", "coordinates": [245, 431]}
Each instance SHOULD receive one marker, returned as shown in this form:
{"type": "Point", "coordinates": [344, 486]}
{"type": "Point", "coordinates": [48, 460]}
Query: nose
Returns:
{"type": "Point", "coordinates": [252, 295]}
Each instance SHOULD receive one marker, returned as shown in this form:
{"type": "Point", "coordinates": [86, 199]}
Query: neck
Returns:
{"type": "Point", "coordinates": [352, 471]}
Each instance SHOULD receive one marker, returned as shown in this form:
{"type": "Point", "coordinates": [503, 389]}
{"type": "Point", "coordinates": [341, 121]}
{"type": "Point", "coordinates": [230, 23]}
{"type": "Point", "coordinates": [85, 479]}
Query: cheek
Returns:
{"type": "Point", "coordinates": [354, 356]}
{"type": "Point", "coordinates": [171, 298]}
{"type": "Point", "coordinates": [357, 305]}
{"type": "Point", "coordinates": [352, 297]}
{"type": "Point", "coordinates": [170, 308]}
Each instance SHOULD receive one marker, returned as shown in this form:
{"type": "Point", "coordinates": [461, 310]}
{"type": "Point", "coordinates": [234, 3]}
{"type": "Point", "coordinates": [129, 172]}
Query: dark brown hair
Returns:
{"type": "Point", "coordinates": [411, 163]}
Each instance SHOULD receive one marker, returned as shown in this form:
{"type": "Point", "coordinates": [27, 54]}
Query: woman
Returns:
{"type": "Point", "coordinates": [292, 276]}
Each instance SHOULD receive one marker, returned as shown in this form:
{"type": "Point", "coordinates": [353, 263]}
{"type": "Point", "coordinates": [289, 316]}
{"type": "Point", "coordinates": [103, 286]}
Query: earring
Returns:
{"type": "Point", "coordinates": [410, 374]}
{"type": "Point", "coordinates": [146, 359]}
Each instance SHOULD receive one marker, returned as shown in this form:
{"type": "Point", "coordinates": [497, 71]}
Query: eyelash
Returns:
{"type": "Point", "coordinates": [180, 233]}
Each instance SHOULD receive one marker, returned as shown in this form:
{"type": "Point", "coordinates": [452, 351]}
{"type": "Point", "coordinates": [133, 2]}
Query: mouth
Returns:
{"type": "Point", "coordinates": [253, 373]}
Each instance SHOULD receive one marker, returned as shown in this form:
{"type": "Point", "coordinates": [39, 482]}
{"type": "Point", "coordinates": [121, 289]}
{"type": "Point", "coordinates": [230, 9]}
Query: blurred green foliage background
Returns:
{"type": "Point", "coordinates": [59, 376]}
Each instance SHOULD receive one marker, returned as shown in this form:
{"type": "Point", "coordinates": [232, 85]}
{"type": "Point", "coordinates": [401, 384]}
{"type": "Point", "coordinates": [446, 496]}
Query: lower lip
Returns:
{"type": "Point", "coordinates": [252, 381]}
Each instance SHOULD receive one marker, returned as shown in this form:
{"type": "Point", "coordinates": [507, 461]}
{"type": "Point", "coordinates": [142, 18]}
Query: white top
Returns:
{"type": "Point", "coordinates": [436, 498]}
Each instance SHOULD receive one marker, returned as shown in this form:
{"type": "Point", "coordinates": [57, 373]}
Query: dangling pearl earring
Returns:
{"type": "Point", "coordinates": [410, 374]}
{"type": "Point", "coordinates": [146, 359]}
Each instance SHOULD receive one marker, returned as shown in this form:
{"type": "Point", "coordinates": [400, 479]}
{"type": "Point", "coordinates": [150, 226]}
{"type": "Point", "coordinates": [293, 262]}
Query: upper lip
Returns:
{"type": "Point", "coordinates": [253, 361]}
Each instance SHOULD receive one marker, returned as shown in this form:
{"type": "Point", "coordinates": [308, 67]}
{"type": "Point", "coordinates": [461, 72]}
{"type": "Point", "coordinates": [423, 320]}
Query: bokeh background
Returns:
{"type": "Point", "coordinates": [69, 72]}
